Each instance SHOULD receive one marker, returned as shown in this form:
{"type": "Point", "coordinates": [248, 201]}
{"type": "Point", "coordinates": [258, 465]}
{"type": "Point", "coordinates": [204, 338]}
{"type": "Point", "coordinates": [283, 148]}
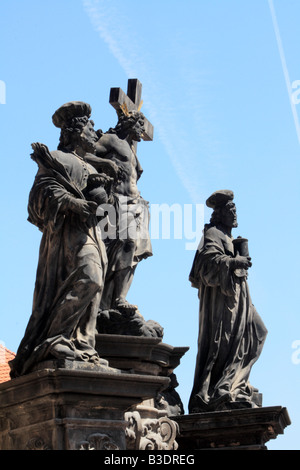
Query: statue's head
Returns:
{"type": "Point", "coordinates": [77, 130]}
{"type": "Point", "coordinates": [224, 209]}
{"type": "Point", "coordinates": [131, 123]}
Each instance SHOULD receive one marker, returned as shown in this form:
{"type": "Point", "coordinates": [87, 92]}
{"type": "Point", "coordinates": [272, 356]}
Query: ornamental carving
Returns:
{"type": "Point", "coordinates": [98, 441]}
{"type": "Point", "coordinates": [37, 443]}
{"type": "Point", "coordinates": [150, 434]}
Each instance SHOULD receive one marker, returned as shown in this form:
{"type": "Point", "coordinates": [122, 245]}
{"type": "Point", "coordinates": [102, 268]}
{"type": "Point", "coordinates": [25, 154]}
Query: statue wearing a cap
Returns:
{"type": "Point", "coordinates": [72, 262]}
{"type": "Point", "coordinates": [114, 152]}
{"type": "Point", "coordinates": [231, 333]}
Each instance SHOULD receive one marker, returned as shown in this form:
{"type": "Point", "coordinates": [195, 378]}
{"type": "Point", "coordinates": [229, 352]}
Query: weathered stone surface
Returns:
{"type": "Point", "coordinates": [68, 409]}
{"type": "Point", "coordinates": [143, 355]}
{"type": "Point", "coordinates": [150, 429]}
{"type": "Point", "coordinates": [127, 322]}
{"type": "Point", "coordinates": [244, 429]}
{"type": "Point", "coordinates": [149, 424]}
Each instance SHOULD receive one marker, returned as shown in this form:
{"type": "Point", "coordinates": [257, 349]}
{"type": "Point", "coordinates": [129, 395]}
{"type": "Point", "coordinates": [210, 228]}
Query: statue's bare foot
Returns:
{"type": "Point", "coordinates": [124, 306]}
{"type": "Point", "coordinates": [98, 361]}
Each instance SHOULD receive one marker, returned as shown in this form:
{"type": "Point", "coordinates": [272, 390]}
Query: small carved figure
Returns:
{"type": "Point", "coordinates": [231, 333]}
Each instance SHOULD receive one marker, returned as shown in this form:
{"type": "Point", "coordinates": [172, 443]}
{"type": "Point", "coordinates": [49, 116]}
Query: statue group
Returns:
{"type": "Point", "coordinates": [83, 276]}
{"type": "Point", "coordinates": [82, 193]}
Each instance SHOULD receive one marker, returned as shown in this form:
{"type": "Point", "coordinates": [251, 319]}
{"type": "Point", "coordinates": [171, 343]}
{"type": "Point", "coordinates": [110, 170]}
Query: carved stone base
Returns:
{"type": "Point", "coordinates": [149, 424]}
{"type": "Point", "coordinates": [71, 409]}
{"type": "Point", "coordinates": [243, 429]}
{"type": "Point", "coordinates": [150, 429]}
{"type": "Point", "coordinates": [138, 354]}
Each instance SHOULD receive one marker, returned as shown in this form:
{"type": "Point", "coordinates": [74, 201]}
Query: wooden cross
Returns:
{"type": "Point", "coordinates": [132, 101]}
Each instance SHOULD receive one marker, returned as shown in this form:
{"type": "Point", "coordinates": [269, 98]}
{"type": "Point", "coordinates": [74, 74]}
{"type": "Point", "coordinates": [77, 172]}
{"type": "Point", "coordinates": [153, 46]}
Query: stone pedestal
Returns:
{"type": "Point", "coordinates": [149, 424]}
{"type": "Point", "coordinates": [243, 429]}
{"type": "Point", "coordinates": [71, 408]}
{"type": "Point", "coordinates": [139, 354]}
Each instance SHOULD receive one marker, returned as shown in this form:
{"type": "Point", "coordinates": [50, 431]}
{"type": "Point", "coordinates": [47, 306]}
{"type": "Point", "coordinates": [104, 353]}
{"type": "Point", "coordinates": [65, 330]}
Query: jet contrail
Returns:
{"type": "Point", "coordinates": [284, 67]}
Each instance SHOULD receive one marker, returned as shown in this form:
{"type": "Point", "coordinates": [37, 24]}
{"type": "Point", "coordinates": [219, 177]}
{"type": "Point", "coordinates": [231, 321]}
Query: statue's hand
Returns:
{"type": "Point", "coordinates": [83, 208]}
{"type": "Point", "coordinates": [241, 262]}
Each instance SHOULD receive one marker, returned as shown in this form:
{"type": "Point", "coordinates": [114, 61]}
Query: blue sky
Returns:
{"type": "Point", "coordinates": [217, 86]}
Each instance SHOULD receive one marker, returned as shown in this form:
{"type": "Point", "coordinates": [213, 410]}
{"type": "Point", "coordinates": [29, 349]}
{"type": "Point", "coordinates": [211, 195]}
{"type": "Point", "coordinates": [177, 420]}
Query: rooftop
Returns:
{"type": "Point", "coordinates": [5, 356]}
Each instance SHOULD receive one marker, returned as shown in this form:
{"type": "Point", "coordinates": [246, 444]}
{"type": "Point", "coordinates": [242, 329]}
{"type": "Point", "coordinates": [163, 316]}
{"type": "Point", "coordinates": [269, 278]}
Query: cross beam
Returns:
{"type": "Point", "coordinates": [132, 100]}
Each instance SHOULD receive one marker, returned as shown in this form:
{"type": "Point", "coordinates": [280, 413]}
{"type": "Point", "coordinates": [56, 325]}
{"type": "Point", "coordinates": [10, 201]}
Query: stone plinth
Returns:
{"type": "Point", "coordinates": [71, 409]}
{"type": "Point", "coordinates": [243, 429]}
{"type": "Point", "coordinates": [149, 426]}
{"type": "Point", "coordinates": [139, 354]}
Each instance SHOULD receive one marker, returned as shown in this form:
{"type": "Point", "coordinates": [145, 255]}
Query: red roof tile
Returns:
{"type": "Point", "coordinates": [5, 356]}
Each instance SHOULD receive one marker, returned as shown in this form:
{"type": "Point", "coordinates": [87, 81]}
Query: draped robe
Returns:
{"type": "Point", "coordinates": [231, 333]}
{"type": "Point", "coordinates": [71, 267]}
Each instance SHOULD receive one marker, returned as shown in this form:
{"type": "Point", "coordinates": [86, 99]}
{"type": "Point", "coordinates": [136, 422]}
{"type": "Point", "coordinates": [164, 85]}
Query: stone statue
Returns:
{"type": "Point", "coordinates": [231, 333]}
{"type": "Point", "coordinates": [131, 220]}
{"type": "Point", "coordinates": [130, 247]}
{"type": "Point", "coordinates": [72, 261]}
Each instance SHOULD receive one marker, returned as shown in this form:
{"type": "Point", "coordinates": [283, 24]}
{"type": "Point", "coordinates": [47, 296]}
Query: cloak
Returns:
{"type": "Point", "coordinates": [71, 267]}
{"type": "Point", "coordinates": [231, 333]}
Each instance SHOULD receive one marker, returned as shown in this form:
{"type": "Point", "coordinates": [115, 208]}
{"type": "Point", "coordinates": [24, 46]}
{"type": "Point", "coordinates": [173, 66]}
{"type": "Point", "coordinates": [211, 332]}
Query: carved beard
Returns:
{"type": "Point", "coordinates": [235, 223]}
{"type": "Point", "coordinates": [87, 145]}
{"type": "Point", "coordinates": [228, 221]}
